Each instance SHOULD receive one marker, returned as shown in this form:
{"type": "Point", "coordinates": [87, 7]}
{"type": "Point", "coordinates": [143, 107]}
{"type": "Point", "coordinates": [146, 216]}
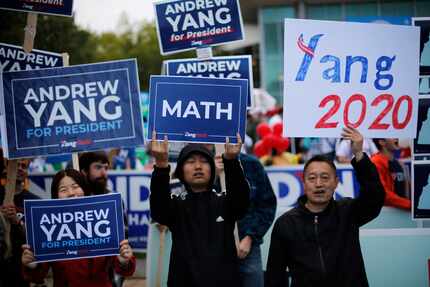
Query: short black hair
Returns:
{"type": "Point", "coordinates": [78, 177]}
{"type": "Point", "coordinates": [377, 144]}
{"type": "Point", "coordinates": [319, 158]}
{"type": "Point", "coordinates": [87, 158]}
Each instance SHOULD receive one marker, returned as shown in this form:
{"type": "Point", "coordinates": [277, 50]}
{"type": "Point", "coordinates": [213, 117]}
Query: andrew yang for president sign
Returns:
{"type": "Point", "coordinates": [204, 110]}
{"type": "Point", "coordinates": [188, 24]}
{"type": "Point", "coordinates": [59, 229]}
{"type": "Point", "coordinates": [232, 67]}
{"type": "Point", "coordinates": [70, 109]}
{"type": "Point", "coordinates": [340, 74]}
{"type": "Point", "coordinates": [13, 58]}
{"type": "Point", "coordinates": [54, 7]}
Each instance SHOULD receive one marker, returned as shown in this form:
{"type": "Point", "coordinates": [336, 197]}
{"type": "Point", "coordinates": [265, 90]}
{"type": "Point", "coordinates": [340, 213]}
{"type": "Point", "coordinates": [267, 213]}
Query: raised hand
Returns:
{"type": "Point", "coordinates": [9, 212]}
{"type": "Point", "coordinates": [356, 139]}
{"type": "Point", "coordinates": [160, 150]}
{"type": "Point", "coordinates": [27, 258]}
{"type": "Point", "coordinates": [232, 150]}
{"type": "Point", "coordinates": [125, 252]}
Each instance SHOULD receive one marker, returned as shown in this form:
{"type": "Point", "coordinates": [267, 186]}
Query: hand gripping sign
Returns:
{"type": "Point", "coordinates": [65, 110]}
{"type": "Point", "coordinates": [231, 67]}
{"type": "Point", "coordinates": [59, 229]}
{"type": "Point", "coordinates": [350, 74]}
{"type": "Point", "coordinates": [188, 24]}
{"type": "Point", "coordinates": [52, 7]}
{"type": "Point", "coordinates": [189, 109]}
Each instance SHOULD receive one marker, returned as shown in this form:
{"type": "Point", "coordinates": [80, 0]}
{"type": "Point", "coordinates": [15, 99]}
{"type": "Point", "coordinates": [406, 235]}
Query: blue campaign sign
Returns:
{"type": "Point", "coordinates": [231, 67]}
{"type": "Point", "coordinates": [188, 24]}
{"type": "Point", "coordinates": [189, 109]}
{"type": "Point", "coordinates": [54, 7]}
{"type": "Point", "coordinates": [13, 58]}
{"type": "Point", "coordinates": [59, 229]}
{"type": "Point", "coordinates": [70, 109]}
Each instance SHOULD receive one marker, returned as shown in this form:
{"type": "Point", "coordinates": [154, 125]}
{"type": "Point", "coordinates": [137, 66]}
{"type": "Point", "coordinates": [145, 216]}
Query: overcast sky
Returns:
{"type": "Point", "coordinates": [101, 16]}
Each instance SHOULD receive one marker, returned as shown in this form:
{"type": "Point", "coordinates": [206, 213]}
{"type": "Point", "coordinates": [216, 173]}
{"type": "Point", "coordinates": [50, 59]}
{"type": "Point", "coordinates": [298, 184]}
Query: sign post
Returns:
{"type": "Point", "coordinates": [30, 32]}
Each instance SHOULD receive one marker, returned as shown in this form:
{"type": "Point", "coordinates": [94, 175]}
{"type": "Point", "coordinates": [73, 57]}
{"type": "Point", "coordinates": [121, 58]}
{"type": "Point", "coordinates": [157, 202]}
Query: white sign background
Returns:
{"type": "Point", "coordinates": [342, 39]}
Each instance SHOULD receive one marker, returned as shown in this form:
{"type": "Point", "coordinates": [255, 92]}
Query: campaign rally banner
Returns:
{"type": "Point", "coordinates": [13, 58]}
{"type": "Point", "coordinates": [340, 74]}
{"type": "Point", "coordinates": [134, 189]}
{"type": "Point", "coordinates": [205, 110]}
{"type": "Point", "coordinates": [230, 67]}
{"type": "Point", "coordinates": [70, 109]}
{"type": "Point", "coordinates": [54, 7]}
{"type": "Point", "coordinates": [188, 24]}
{"type": "Point", "coordinates": [59, 229]}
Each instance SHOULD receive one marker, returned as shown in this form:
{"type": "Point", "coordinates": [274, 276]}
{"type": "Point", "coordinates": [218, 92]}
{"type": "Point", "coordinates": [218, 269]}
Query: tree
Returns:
{"type": "Point", "coordinates": [54, 33]}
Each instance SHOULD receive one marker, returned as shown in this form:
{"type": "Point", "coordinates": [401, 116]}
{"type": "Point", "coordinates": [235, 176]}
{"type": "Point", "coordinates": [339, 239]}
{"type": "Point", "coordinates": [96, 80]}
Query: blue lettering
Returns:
{"type": "Point", "coordinates": [384, 64]}
{"type": "Point", "coordinates": [333, 73]}
{"type": "Point", "coordinates": [351, 60]}
{"type": "Point", "coordinates": [309, 51]}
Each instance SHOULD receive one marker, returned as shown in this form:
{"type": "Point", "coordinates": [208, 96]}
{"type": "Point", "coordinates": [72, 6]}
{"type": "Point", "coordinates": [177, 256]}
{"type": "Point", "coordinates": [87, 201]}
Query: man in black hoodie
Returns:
{"type": "Point", "coordinates": [319, 239]}
{"type": "Point", "coordinates": [201, 220]}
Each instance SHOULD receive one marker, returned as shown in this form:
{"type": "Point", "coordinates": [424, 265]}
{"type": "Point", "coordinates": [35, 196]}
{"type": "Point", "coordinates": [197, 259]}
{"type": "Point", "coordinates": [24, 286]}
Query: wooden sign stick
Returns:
{"type": "Point", "coordinates": [12, 167]}
{"type": "Point", "coordinates": [159, 275]}
{"type": "Point", "coordinates": [219, 150]}
{"type": "Point", "coordinates": [30, 32]}
{"type": "Point", "coordinates": [75, 156]}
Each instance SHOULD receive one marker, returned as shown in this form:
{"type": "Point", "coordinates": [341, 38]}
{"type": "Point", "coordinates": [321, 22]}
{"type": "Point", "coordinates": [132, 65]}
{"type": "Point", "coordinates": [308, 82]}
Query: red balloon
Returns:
{"type": "Point", "coordinates": [263, 130]}
{"type": "Point", "coordinates": [260, 149]}
{"type": "Point", "coordinates": [277, 128]}
{"type": "Point", "coordinates": [269, 140]}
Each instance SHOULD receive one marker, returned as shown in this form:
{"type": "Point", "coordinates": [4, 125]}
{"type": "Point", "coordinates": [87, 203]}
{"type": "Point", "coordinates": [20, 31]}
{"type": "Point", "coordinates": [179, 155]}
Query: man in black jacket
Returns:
{"type": "Point", "coordinates": [319, 239]}
{"type": "Point", "coordinates": [201, 220]}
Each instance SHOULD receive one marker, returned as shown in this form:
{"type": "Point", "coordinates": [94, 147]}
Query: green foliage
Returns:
{"type": "Point", "coordinates": [54, 34]}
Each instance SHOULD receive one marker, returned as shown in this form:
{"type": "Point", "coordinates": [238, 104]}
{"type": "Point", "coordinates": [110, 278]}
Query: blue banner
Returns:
{"type": "Point", "coordinates": [13, 58]}
{"type": "Point", "coordinates": [197, 109]}
{"type": "Point", "coordinates": [134, 189]}
{"type": "Point", "coordinates": [188, 24]}
{"type": "Point", "coordinates": [59, 229]}
{"type": "Point", "coordinates": [54, 7]}
{"type": "Point", "coordinates": [231, 67]}
{"type": "Point", "coordinates": [70, 109]}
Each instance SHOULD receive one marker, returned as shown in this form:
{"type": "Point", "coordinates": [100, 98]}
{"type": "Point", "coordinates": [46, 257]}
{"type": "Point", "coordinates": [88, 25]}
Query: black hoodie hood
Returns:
{"type": "Point", "coordinates": [186, 152]}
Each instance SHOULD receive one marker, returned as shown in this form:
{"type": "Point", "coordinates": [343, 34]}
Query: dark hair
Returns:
{"type": "Point", "coordinates": [377, 144]}
{"type": "Point", "coordinates": [87, 158]}
{"type": "Point", "coordinates": [319, 158]}
{"type": "Point", "coordinates": [78, 177]}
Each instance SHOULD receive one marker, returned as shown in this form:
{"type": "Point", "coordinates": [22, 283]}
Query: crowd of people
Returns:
{"type": "Point", "coordinates": [226, 206]}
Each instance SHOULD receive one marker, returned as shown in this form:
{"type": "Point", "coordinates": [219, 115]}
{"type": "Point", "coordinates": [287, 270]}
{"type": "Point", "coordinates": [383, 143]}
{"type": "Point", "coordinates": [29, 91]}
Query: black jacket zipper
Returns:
{"type": "Point", "coordinates": [319, 245]}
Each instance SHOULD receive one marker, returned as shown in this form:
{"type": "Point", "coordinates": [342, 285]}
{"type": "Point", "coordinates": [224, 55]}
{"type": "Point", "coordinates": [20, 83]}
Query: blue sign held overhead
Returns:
{"type": "Point", "coordinates": [189, 24]}
{"type": "Point", "coordinates": [60, 229]}
{"type": "Point", "coordinates": [70, 109]}
{"type": "Point", "coordinates": [54, 7]}
{"type": "Point", "coordinates": [232, 67]}
{"type": "Point", "coordinates": [13, 58]}
{"type": "Point", "coordinates": [197, 109]}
